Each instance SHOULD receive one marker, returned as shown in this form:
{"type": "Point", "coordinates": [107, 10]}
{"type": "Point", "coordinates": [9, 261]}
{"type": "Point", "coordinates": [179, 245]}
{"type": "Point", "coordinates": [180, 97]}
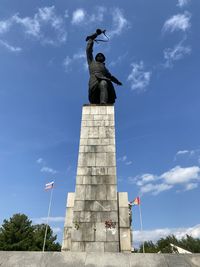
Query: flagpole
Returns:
{"type": "Point", "coordinates": [45, 236]}
{"type": "Point", "coordinates": [141, 227]}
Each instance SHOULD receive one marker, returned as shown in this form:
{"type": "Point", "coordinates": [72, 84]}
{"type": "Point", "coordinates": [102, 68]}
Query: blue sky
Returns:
{"type": "Point", "coordinates": [154, 50]}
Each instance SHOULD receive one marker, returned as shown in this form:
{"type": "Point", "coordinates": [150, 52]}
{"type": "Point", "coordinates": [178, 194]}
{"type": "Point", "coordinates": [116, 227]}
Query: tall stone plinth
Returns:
{"type": "Point", "coordinates": [97, 217]}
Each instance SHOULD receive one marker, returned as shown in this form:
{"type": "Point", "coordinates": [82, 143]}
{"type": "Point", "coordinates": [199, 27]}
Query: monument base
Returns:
{"type": "Point", "coordinates": [81, 259]}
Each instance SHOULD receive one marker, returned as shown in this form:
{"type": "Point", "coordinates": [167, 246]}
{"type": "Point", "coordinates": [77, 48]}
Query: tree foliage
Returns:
{"type": "Point", "coordinates": [19, 234]}
{"type": "Point", "coordinates": [163, 245]}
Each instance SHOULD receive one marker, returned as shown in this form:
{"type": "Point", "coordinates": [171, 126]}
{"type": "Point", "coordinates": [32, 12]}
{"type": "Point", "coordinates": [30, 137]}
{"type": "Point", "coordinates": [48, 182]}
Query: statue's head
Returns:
{"type": "Point", "coordinates": [100, 58]}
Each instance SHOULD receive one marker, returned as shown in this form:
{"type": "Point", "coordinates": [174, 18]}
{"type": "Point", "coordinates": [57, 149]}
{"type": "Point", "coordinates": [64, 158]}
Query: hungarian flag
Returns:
{"type": "Point", "coordinates": [135, 202]}
{"type": "Point", "coordinates": [49, 185]}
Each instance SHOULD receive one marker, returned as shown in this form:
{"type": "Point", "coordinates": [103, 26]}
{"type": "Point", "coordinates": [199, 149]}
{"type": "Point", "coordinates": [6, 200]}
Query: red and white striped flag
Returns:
{"type": "Point", "coordinates": [49, 185]}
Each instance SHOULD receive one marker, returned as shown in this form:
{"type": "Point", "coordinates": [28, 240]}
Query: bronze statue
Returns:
{"type": "Point", "coordinates": [101, 89]}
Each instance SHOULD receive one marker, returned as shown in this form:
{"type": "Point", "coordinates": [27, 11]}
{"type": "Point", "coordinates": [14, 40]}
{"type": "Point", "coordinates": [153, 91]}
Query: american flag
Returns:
{"type": "Point", "coordinates": [49, 185]}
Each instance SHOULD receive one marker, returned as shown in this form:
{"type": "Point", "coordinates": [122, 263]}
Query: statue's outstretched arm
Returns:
{"type": "Point", "coordinates": [115, 80]}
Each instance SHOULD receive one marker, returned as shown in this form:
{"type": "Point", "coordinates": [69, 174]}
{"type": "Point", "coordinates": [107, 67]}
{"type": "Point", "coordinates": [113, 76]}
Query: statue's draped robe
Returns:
{"type": "Point", "coordinates": [98, 72]}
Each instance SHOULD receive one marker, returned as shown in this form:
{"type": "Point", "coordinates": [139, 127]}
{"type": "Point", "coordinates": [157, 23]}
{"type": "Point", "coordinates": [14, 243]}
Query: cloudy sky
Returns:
{"type": "Point", "coordinates": [154, 49]}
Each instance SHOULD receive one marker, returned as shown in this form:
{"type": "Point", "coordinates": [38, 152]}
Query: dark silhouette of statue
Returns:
{"type": "Point", "coordinates": [101, 89]}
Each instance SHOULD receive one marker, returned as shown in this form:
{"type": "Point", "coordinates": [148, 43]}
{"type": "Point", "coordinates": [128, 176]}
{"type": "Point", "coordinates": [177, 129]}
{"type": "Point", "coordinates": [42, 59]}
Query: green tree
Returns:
{"type": "Point", "coordinates": [16, 233]}
{"type": "Point", "coordinates": [149, 247]}
{"type": "Point", "coordinates": [38, 239]}
{"type": "Point", "coordinates": [19, 234]}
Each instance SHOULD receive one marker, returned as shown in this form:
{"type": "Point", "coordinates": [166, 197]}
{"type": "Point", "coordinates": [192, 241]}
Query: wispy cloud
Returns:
{"type": "Point", "coordinates": [48, 170]}
{"type": "Point", "coordinates": [183, 3]}
{"type": "Point", "coordinates": [119, 22]}
{"type": "Point", "coordinates": [156, 234]}
{"type": "Point", "coordinates": [81, 17]}
{"type": "Point", "coordinates": [51, 219]}
{"type": "Point", "coordinates": [9, 47]}
{"type": "Point", "coordinates": [44, 167]}
{"type": "Point", "coordinates": [68, 61]}
{"type": "Point", "coordinates": [78, 16]}
{"type": "Point", "coordinates": [188, 178]}
{"type": "Point", "coordinates": [178, 22]}
{"type": "Point", "coordinates": [125, 160]}
{"type": "Point", "coordinates": [37, 25]}
{"type": "Point", "coordinates": [176, 53]}
{"type": "Point", "coordinates": [193, 154]}
{"type": "Point", "coordinates": [139, 78]}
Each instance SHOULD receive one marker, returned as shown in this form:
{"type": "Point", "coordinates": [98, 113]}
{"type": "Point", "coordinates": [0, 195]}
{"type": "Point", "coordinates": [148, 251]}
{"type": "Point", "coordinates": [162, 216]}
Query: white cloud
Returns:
{"type": "Point", "coordinates": [51, 219]}
{"type": "Point", "coordinates": [78, 16]}
{"type": "Point", "coordinates": [178, 22]}
{"type": "Point", "coordinates": [10, 47]}
{"type": "Point", "coordinates": [138, 77]}
{"type": "Point", "coordinates": [156, 234]}
{"type": "Point", "coordinates": [81, 17]}
{"type": "Point", "coordinates": [57, 230]}
{"type": "Point", "coordinates": [188, 178]}
{"type": "Point", "coordinates": [40, 160]}
{"type": "Point", "coordinates": [154, 189]}
{"type": "Point", "coordinates": [125, 160]}
{"type": "Point", "coordinates": [48, 170]}
{"type": "Point", "coordinates": [5, 25]}
{"type": "Point", "coordinates": [119, 22]}
{"type": "Point", "coordinates": [175, 54]}
{"type": "Point", "coordinates": [182, 3]}
{"type": "Point", "coordinates": [191, 186]}
{"type": "Point", "coordinates": [180, 175]}
{"type": "Point", "coordinates": [182, 152]}
{"type": "Point", "coordinates": [68, 61]}
{"type": "Point", "coordinates": [37, 25]}
{"type": "Point", "coordinates": [129, 162]}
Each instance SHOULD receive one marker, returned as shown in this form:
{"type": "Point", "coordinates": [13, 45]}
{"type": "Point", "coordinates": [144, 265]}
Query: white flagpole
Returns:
{"type": "Point", "coordinates": [45, 236]}
{"type": "Point", "coordinates": [141, 226]}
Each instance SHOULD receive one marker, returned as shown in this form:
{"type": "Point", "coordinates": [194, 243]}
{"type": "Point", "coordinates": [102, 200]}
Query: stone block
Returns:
{"type": "Point", "coordinates": [93, 132]}
{"type": "Point", "coordinates": [110, 110]}
{"type": "Point", "coordinates": [84, 132]}
{"type": "Point", "coordinates": [84, 170]}
{"type": "Point", "coordinates": [90, 192]}
{"type": "Point", "coordinates": [76, 235]}
{"type": "Point", "coordinates": [101, 192]}
{"type": "Point", "coordinates": [95, 110]}
{"type": "Point", "coordinates": [125, 239]}
{"type": "Point", "coordinates": [101, 159]}
{"type": "Point", "coordinates": [86, 159]}
{"type": "Point", "coordinates": [70, 200]}
{"type": "Point", "coordinates": [79, 179]}
{"type": "Point", "coordinates": [111, 192]}
{"type": "Point", "coordinates": [110, 159]}
{"type": "Point", "coordinates": [86, 117]}
{"type": "Point", "coordinates": [112, 234]}
{"type": "Point", "coordinates": [123, 199]}
{"type": "Point", "coordinates": [77, 246]}
{"type": "Point", "coordinates": [83, 142]}
{"type": "Point", "coordinates": [80, 192]}
{"type": "Point", "coordinates": [100, 234]}
{"type": "Point", "coordinates": [79, 205]}
{"type": "Point", "coordinates": [112, 247]}
{"type": "Point", "coordinates": [94, 246]}
{"type": "Point", "coordinates": [107, 215]}
{"type": "Point", "coordinates": [69, 217]}
{"type": "Point", "coordinates": [66, 244]}
{"type": "Point", "coordinates": [86, 110]}
{"type": "Point", "coordinates": [111, 170]}
{"type": "Point", "coordinates": [99, 171]}
{"type": "Point", "coordinates": [124, 220]}
{"type": "Point", "coordinates": [102, 110]}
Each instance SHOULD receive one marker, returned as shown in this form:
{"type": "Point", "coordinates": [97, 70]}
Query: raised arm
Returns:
{"type": "Point", "coordinates": [89, 51]}
{"type": "Point", "coordinates": [90, 42]}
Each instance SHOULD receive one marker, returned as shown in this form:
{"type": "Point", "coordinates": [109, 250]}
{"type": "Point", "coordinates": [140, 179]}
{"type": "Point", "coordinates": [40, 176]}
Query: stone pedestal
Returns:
{"type": "Point", "coordinates": [97, 218]}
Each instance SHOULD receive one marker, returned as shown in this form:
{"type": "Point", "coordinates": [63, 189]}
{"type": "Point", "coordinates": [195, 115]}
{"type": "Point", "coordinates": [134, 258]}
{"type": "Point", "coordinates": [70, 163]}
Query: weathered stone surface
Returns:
{"type": "Point", "coordinates": [125, 239]}
{"type": "Point", "coordinates": [94, 246]}
{"type": "Point", "coordinates": [112, 247]}
{"type": "Point", "coordinates": [95, 259]}
{"type": "Point", "coordinates": [70, 200]}
{"type": "Point", "coordinates": [123, 199]}
{"type": "Point", "coordinates": [124, 217]}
